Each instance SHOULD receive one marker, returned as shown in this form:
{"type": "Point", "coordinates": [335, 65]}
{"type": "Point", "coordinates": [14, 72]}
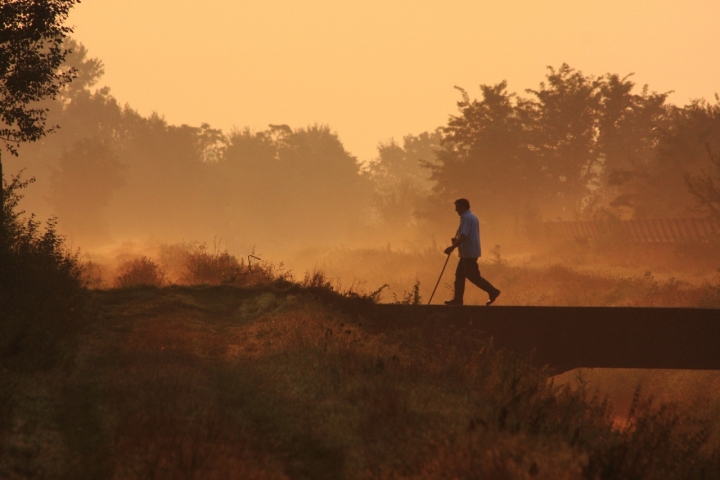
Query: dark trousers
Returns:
{"type": "Point", "coordinates": [468, 268]}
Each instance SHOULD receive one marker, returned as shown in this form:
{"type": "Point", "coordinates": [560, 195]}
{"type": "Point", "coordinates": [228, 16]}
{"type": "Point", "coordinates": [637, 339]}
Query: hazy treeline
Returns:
{"type": "Point", "coordinates": [577, 146]}
{"type": "Point", "coordinates": [114, 174]}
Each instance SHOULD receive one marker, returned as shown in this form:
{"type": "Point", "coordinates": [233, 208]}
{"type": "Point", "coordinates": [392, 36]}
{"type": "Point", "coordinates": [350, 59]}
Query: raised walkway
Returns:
{"type": "Point", "coordinates": [571, 337]}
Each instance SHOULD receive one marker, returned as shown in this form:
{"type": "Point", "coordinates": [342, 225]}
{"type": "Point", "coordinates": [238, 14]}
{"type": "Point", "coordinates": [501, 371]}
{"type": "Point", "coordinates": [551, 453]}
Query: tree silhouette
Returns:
{"type": "Point", "coordinates": [679, 149]}
{"type": "Point", "coordinates": [31, 54]}
{"type": "Point", "coordinates": [563, 121]}
{"type": "Point", "coordinates": [627, 139]}
{"type": "Point", "coordinates": [484, 155]}
{"type": "Point", "coordinates": [576, 146]}
{"type": "Point", "coordinates": [293, 185]}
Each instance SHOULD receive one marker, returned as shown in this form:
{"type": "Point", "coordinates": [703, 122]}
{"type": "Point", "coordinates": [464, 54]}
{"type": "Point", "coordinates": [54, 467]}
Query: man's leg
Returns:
{"type": "Point", "coordinates": [459, 282]}
{"type": "Point", "coordinates": [472, 272]}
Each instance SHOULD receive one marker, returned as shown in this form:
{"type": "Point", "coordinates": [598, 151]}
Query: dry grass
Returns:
{"type": "Point", "coordinates": [569, 274]}
{"type": "Point", "coordinates": [523, 279]}
{"type": "Point", "coordinates": [187, 263]}
{"type": "Point", "coordinates": [268, 382]}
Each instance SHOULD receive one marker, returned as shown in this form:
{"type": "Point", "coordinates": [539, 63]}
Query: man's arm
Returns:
{"type": "Point", "coordinates": [455, 243]}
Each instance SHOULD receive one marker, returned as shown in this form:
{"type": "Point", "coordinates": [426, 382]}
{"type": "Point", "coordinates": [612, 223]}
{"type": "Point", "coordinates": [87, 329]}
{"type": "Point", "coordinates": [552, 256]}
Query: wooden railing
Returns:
{"type": "Point", "coordinates": [660, 230]}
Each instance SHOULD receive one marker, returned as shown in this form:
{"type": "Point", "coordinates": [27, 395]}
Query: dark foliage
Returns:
{"type": "Point", "coordinates": [41, 294]}
{"type": "Point", "coordinates": [31, 54]}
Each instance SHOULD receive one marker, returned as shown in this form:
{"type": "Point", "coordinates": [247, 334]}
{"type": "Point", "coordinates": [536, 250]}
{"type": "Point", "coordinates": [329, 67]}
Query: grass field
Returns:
{"type": "Point", "coordinates": [278, 380]}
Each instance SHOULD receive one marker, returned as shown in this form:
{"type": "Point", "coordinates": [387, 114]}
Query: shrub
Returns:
{"type": "Point", "coordinates": [204, 267]}
{"type": "Point", "coordinates": [140, 271]}
{"type": "Point", "coordinates": [41, 291]}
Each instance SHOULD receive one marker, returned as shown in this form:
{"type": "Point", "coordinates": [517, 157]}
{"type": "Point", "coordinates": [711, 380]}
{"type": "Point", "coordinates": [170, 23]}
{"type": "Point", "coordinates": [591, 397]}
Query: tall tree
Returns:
{"type": "Point", "coordinates": [562, 116]}
{"type": "Point", "coordinates": [629, 124]}
{"type": "Point", "coordinates": [575, 142]}
{"type": "Point", "coordinates": [681, 150]}
{"type": "Point", "coordinates": [31, 56]}
{"type": "Point", "coordinates": [286, 186]}
{"type": "Point", "coordinates": [484, 155]}
{"type": "Point", "coordinates": [400, 181]}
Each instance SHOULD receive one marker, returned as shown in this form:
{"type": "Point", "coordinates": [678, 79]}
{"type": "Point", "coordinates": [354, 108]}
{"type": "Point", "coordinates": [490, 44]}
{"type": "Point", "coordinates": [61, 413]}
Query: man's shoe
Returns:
{"type": "Point", "coordinates": [493, 297]}
{"type": "Point", "coordinates": [454, 302]}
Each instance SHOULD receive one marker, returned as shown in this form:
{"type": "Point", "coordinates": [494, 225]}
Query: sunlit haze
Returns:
{"type": "Point", "coordinates": [360, 239]}
{"type": "Point", "coordinates": [303, 98]}
{"type": "Point", "coordinates": [373, 70]}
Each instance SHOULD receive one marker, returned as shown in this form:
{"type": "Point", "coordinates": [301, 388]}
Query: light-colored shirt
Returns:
{"type": "Point", "coordinates": [469, 226]}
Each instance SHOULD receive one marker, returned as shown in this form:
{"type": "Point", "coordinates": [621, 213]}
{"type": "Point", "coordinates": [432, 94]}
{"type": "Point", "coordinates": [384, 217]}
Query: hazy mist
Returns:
{"type": "Point", "coordinates": [573, 146]}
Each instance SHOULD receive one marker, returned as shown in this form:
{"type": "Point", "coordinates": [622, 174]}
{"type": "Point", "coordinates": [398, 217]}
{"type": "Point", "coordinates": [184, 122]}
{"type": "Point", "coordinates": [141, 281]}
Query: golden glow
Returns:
{"type": "Point", "coordinates": [375, 69]}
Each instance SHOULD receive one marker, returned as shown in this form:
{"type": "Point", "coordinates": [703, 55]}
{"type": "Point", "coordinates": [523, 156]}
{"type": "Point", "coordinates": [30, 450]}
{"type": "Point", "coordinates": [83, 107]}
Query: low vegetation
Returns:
{"type": "Point", "coordinates": [41, 290]}
{"type": "Point", "coordinates": [279, 380]}
{"type": "Point", "coordinates": [140, 271]}
{"type": "Point", "coordinates": [251, 373]}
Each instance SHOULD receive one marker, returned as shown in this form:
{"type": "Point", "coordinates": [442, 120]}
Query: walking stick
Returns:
{"type": "Point", "coordinates": [439, 278]}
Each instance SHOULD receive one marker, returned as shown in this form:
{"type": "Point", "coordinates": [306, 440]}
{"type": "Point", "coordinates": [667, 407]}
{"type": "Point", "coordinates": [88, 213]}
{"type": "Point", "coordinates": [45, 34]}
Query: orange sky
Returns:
{"type": "Point", "coordinates": [375, 69]}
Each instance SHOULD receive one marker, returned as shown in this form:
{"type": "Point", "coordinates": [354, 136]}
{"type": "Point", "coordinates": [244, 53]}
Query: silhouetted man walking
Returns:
{"type": "Point", "coordinates": [467, 241]}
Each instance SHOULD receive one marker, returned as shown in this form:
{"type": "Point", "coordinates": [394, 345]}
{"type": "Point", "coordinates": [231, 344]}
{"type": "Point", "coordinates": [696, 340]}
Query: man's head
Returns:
{"type": "Point", "coordinates": [462, 205]}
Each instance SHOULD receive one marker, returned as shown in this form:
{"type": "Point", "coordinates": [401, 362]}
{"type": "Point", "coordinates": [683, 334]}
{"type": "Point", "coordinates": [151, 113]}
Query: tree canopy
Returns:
{"type": "Point", "coordinates": [31, 56]}
{"type": "Point", "coordinates": [576, 146]}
